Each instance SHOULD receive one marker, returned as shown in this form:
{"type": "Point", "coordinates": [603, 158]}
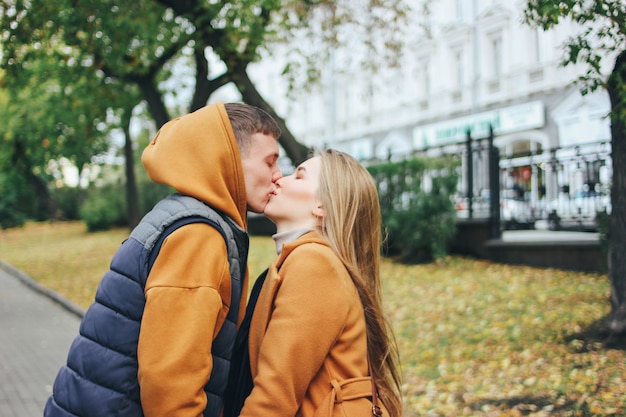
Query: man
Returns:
{"type": "Point", "coordinates": [147, 345]}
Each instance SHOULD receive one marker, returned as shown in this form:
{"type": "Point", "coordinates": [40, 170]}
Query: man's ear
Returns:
{"type": "Point", "coordinates": [319, 211]}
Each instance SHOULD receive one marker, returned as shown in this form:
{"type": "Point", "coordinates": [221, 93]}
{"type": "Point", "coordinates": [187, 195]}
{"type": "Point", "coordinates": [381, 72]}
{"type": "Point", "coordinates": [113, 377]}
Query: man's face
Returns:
{"type": "Point", "coordinates": [260, 170]}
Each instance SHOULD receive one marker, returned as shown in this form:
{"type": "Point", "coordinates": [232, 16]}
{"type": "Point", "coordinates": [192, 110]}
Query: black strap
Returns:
{"type": "Point", "coordinates": [240, 379]}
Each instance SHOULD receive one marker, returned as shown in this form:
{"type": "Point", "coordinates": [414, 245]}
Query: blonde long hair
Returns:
{"type": "Point", "coordinates": [352, 226]}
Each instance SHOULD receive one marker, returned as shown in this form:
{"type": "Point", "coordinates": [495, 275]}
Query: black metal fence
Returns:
{"type": "Point", "coordinates": [557, 188]}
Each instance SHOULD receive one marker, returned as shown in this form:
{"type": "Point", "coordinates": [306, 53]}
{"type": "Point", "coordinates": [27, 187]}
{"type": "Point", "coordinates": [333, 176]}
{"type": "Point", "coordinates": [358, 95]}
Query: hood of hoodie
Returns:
{"type": "Point", "coordinates": [198, 156]}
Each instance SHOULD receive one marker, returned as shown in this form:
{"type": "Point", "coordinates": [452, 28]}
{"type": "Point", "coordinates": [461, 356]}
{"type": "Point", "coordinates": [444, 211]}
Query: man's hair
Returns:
{"type": "Point", "coordinates": [246, 120]}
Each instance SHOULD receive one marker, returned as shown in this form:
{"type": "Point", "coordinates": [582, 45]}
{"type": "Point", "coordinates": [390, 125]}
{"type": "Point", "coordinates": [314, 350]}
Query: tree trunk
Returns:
{"type": "Point", "coordinates": [617, 222]}
{"type": "Point", "coordinates": [296, 152]}
{"type": "Point", "coordinates": [155, 101]}
{"type": "Point", "coordinates": [203, 89]}
{"type": "Point", "coordinates": [132, 199]}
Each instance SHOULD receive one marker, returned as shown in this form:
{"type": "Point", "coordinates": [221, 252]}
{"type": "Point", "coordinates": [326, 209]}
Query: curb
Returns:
{"type": "Point", "coordinates": [28, 281]}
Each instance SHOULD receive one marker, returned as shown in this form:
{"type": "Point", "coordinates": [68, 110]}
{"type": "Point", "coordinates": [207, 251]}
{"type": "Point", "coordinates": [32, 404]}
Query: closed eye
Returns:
{"type": "Point", "coordinates": [300, 172]}
{"type": "Point", "coordinates": [271, 162]}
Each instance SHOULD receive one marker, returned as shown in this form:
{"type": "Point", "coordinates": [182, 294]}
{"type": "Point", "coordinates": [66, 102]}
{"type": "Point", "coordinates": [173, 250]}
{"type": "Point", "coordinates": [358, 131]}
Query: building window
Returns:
{"type": "Point", "coordinates": [423, 83]}
{"type": "Point", "coordinates": [460, 68]}
{"type": "Point", "coordinates": [495, 64]}
{"type": "Point", "coordinates": [460, 9]}
{"type": "Point", "coordinates": [536, 54]}
{"type": "Point", "coordinates": [424, 79]}
{"type": "Point", "coordinates": [458, 76]}
{"type": "Point", "coordinates": [496, 56]}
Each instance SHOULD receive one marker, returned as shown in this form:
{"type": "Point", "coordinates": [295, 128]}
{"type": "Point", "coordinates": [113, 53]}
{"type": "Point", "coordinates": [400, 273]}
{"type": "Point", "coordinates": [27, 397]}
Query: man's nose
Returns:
{"type": "Point", "coordinates": [277, 175]}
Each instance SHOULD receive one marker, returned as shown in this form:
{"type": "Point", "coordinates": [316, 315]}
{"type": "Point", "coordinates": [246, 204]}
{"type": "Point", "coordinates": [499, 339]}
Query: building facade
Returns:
{"type": "Point", "coordinates": [471, 65]}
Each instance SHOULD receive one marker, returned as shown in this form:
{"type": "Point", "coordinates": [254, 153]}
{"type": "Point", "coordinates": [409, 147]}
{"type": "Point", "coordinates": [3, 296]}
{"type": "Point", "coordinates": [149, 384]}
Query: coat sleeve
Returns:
{"type": "Point", "coordinates": [183, 308]}
{"type": "Point", "coordinates": [309, 312]}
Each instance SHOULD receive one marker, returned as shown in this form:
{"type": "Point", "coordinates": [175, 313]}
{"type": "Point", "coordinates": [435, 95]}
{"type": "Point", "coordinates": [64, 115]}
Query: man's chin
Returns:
{"type": "Point", "coordinates": [257, 208]}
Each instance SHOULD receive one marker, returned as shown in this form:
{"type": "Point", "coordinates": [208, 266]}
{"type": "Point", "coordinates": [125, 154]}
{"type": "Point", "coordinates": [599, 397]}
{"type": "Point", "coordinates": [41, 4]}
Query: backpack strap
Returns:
{"type": "Point", "coordinates": [175, 225]}
{"type": "Point", "coordinates": [240, 379]}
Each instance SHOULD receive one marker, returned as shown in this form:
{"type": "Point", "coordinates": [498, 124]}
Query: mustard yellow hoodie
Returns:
{"type": "Point", "coordinates": [188, 289]}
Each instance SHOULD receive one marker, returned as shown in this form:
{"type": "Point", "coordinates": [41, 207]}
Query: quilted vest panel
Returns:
{"type": "Point", "coordinates": [100, 377]}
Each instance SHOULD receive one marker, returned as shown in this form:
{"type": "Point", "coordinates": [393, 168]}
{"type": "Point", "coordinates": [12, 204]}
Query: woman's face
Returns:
{"type": "Point", "coordinates": [295, 202]}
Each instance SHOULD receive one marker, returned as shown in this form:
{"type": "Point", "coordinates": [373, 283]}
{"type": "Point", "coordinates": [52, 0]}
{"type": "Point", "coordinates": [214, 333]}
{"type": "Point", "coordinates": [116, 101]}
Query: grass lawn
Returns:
{"type": "Point", "coordinates": [476, 338]}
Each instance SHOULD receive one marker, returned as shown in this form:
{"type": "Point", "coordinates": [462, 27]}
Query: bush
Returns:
{"type": "Point", "coordinates": [10, 216]}
{"type": "Point", "coordinates": [417, 207]}
{"type": "Point", "coordinates": [10, 213]}
{"type": "Point", "coordinates": [68, 201]}
{"type": "Point", "coordinates": [104, 207]}
{"type": "Point", "coordinates": [151, 193]}
{"type": "Point", "coordinates": [19, 200]}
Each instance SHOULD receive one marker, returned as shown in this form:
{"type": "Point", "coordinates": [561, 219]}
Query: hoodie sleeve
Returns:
{"type": "Point", "coordinates": [183, 312]}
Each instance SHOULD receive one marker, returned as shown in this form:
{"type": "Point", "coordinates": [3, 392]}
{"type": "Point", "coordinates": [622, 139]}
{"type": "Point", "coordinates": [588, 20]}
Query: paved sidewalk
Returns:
{"type": "Point", "coordinates": [35, 335]}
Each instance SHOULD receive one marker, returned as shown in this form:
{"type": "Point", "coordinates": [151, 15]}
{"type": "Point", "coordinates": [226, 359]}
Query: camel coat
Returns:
{"type": "Point", "coordinates": [308, 328]}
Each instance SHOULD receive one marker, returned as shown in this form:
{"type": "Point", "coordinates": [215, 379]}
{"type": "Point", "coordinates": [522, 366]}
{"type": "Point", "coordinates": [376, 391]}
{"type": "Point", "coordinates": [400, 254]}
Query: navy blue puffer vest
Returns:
{"type": "Point", "coordinates": [100, 377]}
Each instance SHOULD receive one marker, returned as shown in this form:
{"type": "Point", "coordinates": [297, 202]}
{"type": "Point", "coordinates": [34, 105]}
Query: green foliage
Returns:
{"type": "Point", "coordinates": [10, 213]}
{"type": "Point", "coordinates": [55, 100]}
{"type": "Point", "coordinates": [22, 152]}
{"type": "Point", "coordinates": [130, 49]}
{"type": "Point", "coordinates": [150, 193]}
{"type": "Point", "coordinates": [19, 199]}
{"type": "Point", "coordinates": [68, 200]}
{"type": "Point", "coordinates": [105, 203]}
{"type": "Point", "coordinates": [417, 209]}
{"type": "Point", "coordinates": [104, 207]}
{"type": "Point", "coordinates": [49, 110]}
{"type": "Point", "coordinates": [53, 108]}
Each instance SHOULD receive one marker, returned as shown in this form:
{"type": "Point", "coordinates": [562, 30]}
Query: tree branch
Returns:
{"type": "Point", "coordinates": [296, 152]}
{"type": "Point", "coordinates": [202, 92]}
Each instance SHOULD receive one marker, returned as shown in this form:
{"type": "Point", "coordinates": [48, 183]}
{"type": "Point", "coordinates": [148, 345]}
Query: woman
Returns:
{"type": "Point", "coordinates": [319, 313]}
